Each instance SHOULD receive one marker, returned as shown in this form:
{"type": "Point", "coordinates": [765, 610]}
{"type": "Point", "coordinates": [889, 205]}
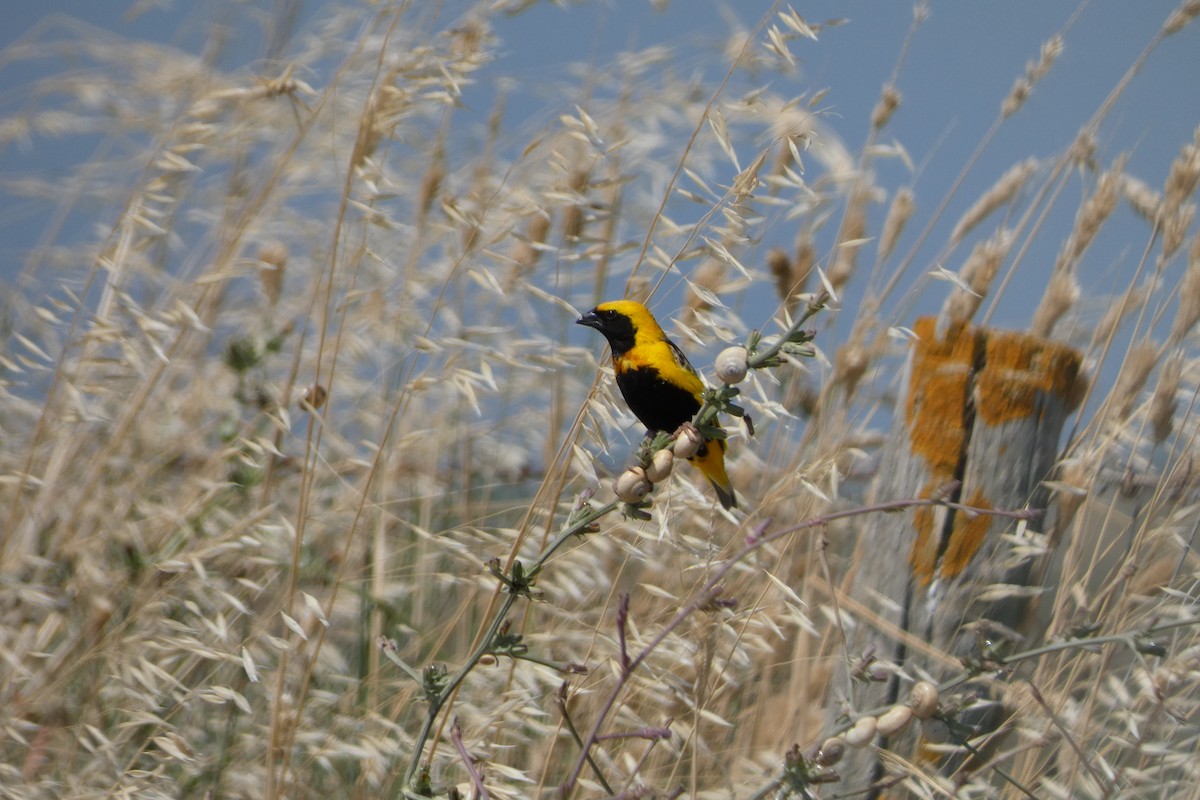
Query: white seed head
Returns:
{"type": "Point", "coordinates": [923, 699]}
{"type": "Point", "coordinates": [687, 441]}
{"type": "Point", "coordinates": [314, 396]}
{"type": "Point", "coordinates": [861, 733]}
{"type": "Point", "coordinates": [660, 466]}
{"type": "Point", "coordinates": [731, 365]}
{"type": "Point", "coordinates": [831, 752]}
{"type": "Point", "coordinates": [894, 720]}
{"type": "Point", "coordinates": [632, 485]}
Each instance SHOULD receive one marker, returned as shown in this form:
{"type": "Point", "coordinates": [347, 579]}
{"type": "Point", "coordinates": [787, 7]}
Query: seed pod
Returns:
{"type": "Point", "coordinates": [660, 466]}
{"type": "Point", "coordinates": [731, 365]}
{"type": "Point", "coordinates": [923, 699]}
{"type": "Point", "coordinates": [314, 395]}
{"type": "Point", "coordinates": [861, 734]}
{"type": "Point", "coordinates": [831, 752]}
{"type": "Point", "coordinates": [631, 486]}
{"type": "Point", "coordinates": [270, 276]}
{"type": "Point", "coordinates": [687, 441]}
{"type": "Point", "coordinates": [894, 720]}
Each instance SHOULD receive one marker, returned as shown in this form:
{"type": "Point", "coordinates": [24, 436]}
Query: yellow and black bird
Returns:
{"type": "Point", "coordinates": [660, 386]}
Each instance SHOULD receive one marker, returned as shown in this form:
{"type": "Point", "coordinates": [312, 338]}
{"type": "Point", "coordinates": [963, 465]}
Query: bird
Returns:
{"type": "Point", "coordinates": [659, 384]}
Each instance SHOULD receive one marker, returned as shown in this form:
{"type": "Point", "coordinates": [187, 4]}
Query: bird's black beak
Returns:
{"type": "Point", "coordinates": [590, 319]}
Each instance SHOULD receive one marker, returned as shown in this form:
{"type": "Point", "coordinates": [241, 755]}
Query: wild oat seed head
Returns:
{"type": "Point", "coordinates": [1051, 49]}
{"type": "Point", "coordinates": [1181, 16]}
{"type": "Point", "coordinates": [1100, 205]}
{"type": "Point", "coordinates": [707, 277]}
{"type": "Point", "coordinates": [1163, 403]}
{"type": "Point", "coordinates": [1061, 295]}
{"type": "Point", "coordinates": [977, 273]}
{"type": "Point", "coordinates": [1175, 228]}
{"type": "Point", "coordinates": [1115, 313]}
{"type": "Point", "coordinates": [889, 101]}
{"type": "Point", "coordinates": [805, 260]}
{"type": "Point", "coordinates": [1090, 217]}
{"type": "Point", "coordinates": [573, 214]}
{"type": "Point", "coordinates": [1002, 192]}
{"type": "Point", "coordinates": [314, 396]}
{"type": "Point", "coordinates": [850, 363]}
{"type": "Point", "coordinates": [526, 250]}
{"type": "Point", "coordinates": [1083, 149]}
{"type": "Point", "coordinates": [791, 277]}
{"type": "Point", "coordinates": [794, 126]}
{"type": "Point", "coordinates": [781, 269]}
{"type": "Point", "coordinates": [1189, 296]}
{"type": "Point", "coordinates": [1183, 177]}
{"type": "Point", "coordinates": [1034, 72]}
{"type": "Point", "coordinates": [539, 228]}
{"type": "Point", "coordinates": [854, 228]}
{"type": "Point", "coordinates": [1078, 475]}
{"type": "Point", "coordinates": [1144, 201]}
{"type": "Point", "coordinates": [980, 269]}
{"type": "Point", "coordinates": [1016, 97]}
{"type": "Point", "coordinates": [1135, 369]}
{"type": "Point", "coordinates": [431, 183]}
{"type": "Point", "coordinates": [270, 275]}
{"type": "Point", "coordinates": [783, 160]}
{"type": "Point", "coordinates": [901, 209]}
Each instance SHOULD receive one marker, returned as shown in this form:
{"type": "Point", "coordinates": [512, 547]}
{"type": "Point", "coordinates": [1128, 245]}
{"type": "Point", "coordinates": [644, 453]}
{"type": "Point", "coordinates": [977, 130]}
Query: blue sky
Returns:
{"type": "Point", "coordinates": [959, 67]}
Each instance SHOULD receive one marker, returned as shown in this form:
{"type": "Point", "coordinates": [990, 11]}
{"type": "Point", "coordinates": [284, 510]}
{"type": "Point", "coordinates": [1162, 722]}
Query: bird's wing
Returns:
{"type": "Point", "coordinates": [680, 358]}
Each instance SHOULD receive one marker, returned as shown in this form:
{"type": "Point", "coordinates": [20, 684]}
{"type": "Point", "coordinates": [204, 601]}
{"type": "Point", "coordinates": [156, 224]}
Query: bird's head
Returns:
{"type": "Point", "coordinates": [619, 321]}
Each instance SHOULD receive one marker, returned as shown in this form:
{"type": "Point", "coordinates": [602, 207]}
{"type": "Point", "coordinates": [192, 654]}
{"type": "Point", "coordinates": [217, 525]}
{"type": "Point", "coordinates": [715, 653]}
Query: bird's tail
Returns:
{"type": "Point", "coordinates": [710, 460]}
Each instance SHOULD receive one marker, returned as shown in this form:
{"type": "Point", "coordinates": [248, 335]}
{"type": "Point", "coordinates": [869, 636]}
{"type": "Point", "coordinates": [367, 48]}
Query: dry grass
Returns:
{"type": "Point", "coordinates": [311, 363]}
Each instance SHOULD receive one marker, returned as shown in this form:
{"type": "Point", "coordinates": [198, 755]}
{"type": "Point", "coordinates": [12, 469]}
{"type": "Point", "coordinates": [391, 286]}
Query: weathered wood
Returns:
{"type": "Point", "coordinates": [1022, 393]}
{"type": "Point", "coordinates": [984, 409]}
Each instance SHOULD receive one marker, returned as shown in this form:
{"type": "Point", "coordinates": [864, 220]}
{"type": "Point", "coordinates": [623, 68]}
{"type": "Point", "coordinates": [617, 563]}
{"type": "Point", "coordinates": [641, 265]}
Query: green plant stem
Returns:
{"type": "Point", "coordinates": [577, 527]}
{"type": "Point", "coordinates": [760, 359]}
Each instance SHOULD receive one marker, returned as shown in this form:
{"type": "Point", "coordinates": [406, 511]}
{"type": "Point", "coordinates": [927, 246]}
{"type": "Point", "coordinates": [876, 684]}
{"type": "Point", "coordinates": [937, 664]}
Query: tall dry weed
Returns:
{"type": "Point", "coordinates": [291, 400]}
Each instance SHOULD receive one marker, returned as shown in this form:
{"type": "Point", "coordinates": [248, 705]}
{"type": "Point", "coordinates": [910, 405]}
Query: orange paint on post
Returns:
{"type": "Point", "coordinates": [935, 412]}
{"type": "Point", "coordinates": [1021, 372]}
{"type": "Point", "coordinates": [1020, 376]}
{"type": "Point", "coordinates": [938, 390]}
{"type": "Point", "coordinates": [966, 538]}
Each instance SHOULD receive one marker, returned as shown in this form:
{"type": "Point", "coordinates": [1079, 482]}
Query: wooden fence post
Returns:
{"type": "Point", "coordinates": [985, 409]}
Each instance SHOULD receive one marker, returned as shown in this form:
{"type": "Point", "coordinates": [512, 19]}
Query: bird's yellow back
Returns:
{"type": "Point", "coordinates": [651, 348]}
